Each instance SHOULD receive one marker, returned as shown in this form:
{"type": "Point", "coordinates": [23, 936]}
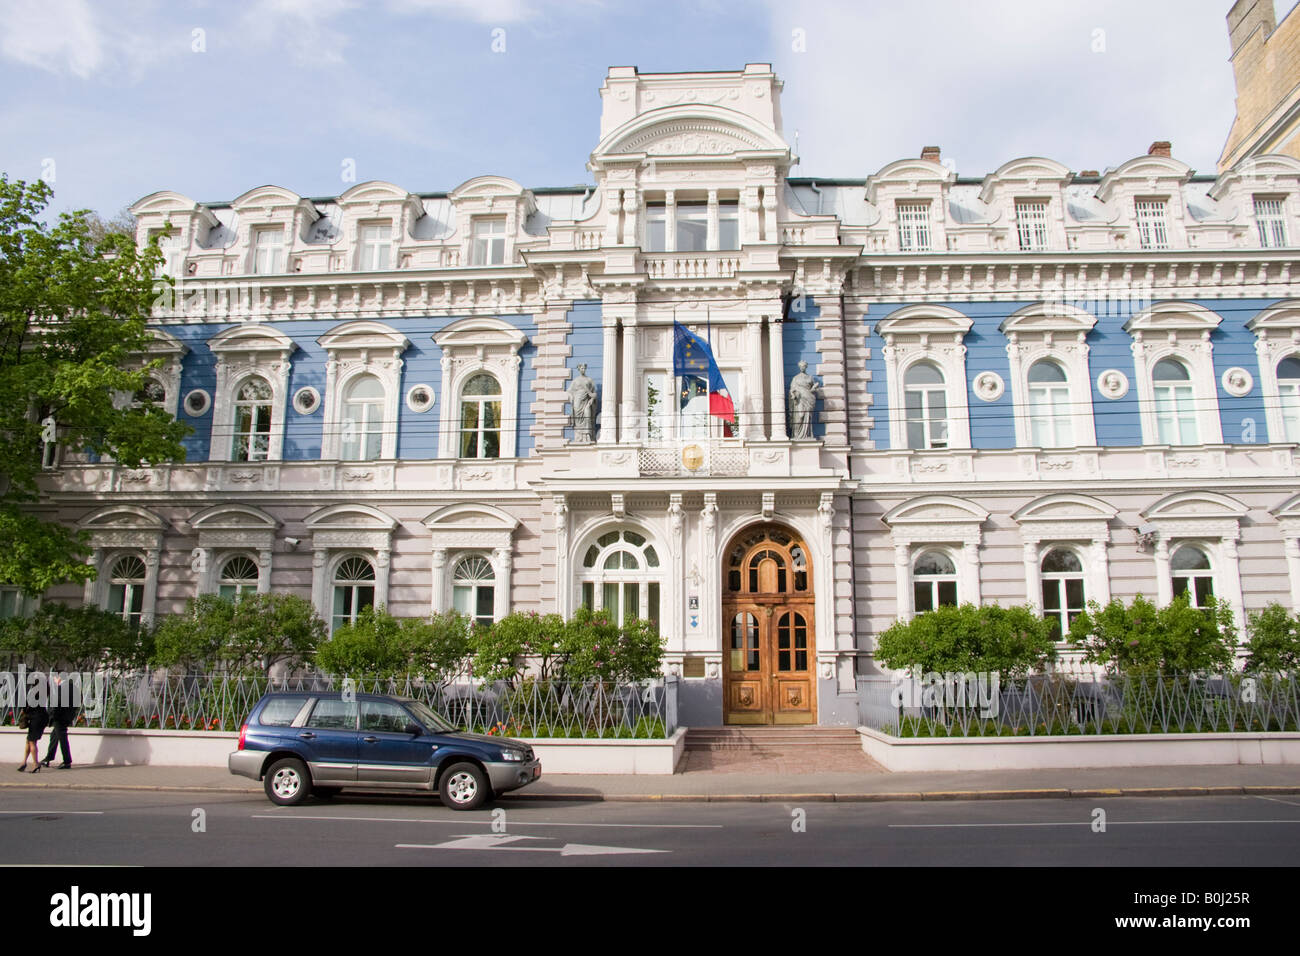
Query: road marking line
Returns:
{"type": "Point", "coordinates": [1275, 800]}
{"type": "Point", "coordinates": [485, 823]}
{"type": "Point", "coordinates": [66, 813]}
{"type": "Point", "coordinates": [500, 842]}
{"type": "Point", "coordinates": [1081, 823]}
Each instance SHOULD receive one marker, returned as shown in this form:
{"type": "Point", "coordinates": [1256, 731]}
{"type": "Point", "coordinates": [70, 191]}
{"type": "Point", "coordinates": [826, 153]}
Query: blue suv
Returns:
{"type": "Point", "coordinates": [308, 743]}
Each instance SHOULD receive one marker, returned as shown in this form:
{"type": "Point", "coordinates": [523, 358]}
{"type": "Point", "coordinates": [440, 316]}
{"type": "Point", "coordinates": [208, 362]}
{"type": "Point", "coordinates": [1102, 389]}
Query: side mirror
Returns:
{"type": "Point", "coordinates": [414, 729]}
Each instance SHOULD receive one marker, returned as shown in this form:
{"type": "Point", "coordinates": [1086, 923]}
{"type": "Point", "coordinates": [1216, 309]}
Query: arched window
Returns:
{"type": "Point", "coordinates": [934, 581]}
{"type": "Point", "coordinates": [1049, 404]}
{"type": "Point", "coordinates": [1063, 591]}
{"type": "Point", "coordinates": [354, 590]}
{"type": "Point", "coordinates": [252, 421]}
{"type": "Point", "coordinates": [480, 418]}
{"type": "Point", "coordinates": [363, 420]}
{"type": "Point", "coordinates": [473, 589]}
{"type": "Point", "coordinates": [238, 577]}
{"type": "Point", "coordinates": [767, 561]}
{"type": "Point", "coordinates": [126, 589]}
{"type": "Point", "coordinates": [620, 574]}
{"type": "Point", "coordinates": [1288, 389]}
{"type": "Point", "coordinates": [926, 400]}
{"type": "Point", "coordinates": [1175, 403]}
{"type": "Point", "coordinates": [152, 392]}
{"type": "Point", "coordinates": [1193, 574]}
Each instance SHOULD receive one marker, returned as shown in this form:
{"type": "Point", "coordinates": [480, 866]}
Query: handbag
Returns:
{"type": "Point", "coordinates": [22, 720]}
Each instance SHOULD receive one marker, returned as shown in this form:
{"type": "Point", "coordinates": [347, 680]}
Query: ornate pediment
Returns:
{"type": "Point", "coordinates": [1065, 507]}
{"type": "Point", "coordinates": [690, 138]}
{"type": "Point", "coordinates": [936, 509]}
{"type": "Point", "coordinates": [1195, 504]}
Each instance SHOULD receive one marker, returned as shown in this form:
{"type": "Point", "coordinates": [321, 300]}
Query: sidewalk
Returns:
{"type": "Point", "coordinates": [714, 786]}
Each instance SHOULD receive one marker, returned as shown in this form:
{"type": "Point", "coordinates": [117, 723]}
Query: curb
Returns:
{"type": "Point", "coordinates": [926, 795]}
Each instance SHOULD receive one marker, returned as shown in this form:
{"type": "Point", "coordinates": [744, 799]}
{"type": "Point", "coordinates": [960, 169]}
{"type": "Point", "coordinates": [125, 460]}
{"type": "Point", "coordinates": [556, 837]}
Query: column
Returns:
{"type": "Point", "coordinates": [630, 204]}
{"type": "Point", "coordinates": [1033, 583]}
{"type": "Point", "coordinates": [630, 431]}
{"type": "Point", "coordinates": [201, 564]}
{"type": "Point", "coordinates": [711, 568]}
{"type": "Point", "coordinates": [609, 383]}
{"type": "Point", "coordinates": [1164, 583]}
{"type": "Point", "coordinates": [711, 237]}
{"type": "Point", "coordinates": [90, 591]}
{"type": "Point", "coordinates": [438, 581]}
{"type": "Point", "coordinates": [613, 205]}
{"type": "Point", "coordinates": [1293, 566]}
{"type": "Point", "coordinates": [670, 221]}
{"type": "Point", "coordinates": [970, 553]}
{"type": "Point", "coordinates": [776, 372]}
{"type": "Point", "coordinates": [750, 407]}
{"type": "Point", "coordinates": [382, 562]}
{"type": "Point", "coordinates": [151, 561]}
{"type": "Point", "coordinates": [563, 586]}
{"type": "Point", "coordinates": [1230, 581]}
{"type": "Point", "coordinates": [903, 582]}
{"type": "Point", "coordinates": [501, 594]}
{"type": "Point", "coordinates": [676, 596]}
{"type": "Point", "coordinates": [319, 586]}
{"type": "Point", "coordinates": [1100, 576]}
{"type": "Point", "coordinates": [264, 571]}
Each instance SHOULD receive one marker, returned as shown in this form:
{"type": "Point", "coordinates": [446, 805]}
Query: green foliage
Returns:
{"type": "Point", "coordinates": [1009, 640]}
{"type": "Point", "coordinates": [73, 304]}
{"type": "Point", "coordinates": [601, 650]}
{"type": "Point", "coordinates": [500, 649]}
{"type": "Point", "coordinates": [381, 645]}
{"type": "Point", "coordinates": [1274, 643]}
{"type": "Point", "coordinates": [81, 638]}
{"type": "Point", "coordinates": [251, 634]}
{"type": "Point", "coordinates": [1143, 639]}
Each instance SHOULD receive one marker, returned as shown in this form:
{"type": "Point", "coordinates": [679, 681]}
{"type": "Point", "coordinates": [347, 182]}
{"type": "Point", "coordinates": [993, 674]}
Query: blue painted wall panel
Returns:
{"type": "Point", "coordinates": [585, 341]}
{"type": "Point", "coordinates": [799, 338]}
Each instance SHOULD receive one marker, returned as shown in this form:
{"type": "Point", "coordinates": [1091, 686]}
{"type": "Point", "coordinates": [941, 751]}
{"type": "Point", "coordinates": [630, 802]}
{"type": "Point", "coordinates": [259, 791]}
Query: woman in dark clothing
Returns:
{"type": "Point", "coordinates": [37, 718]}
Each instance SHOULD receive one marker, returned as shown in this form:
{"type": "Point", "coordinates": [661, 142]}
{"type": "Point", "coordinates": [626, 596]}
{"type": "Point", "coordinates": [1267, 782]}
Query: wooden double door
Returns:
{"type": "Point", "coordinates": [769, 653]}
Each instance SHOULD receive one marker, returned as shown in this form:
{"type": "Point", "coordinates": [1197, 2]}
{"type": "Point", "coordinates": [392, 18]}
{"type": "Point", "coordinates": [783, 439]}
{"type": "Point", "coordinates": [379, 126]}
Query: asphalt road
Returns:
{"type": "Point", "coordinates": [85, 828]}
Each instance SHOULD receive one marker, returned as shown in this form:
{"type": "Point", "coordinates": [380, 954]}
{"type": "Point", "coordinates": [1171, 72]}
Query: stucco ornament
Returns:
{"type": "Point", "coordinates": [1112, 383]}
{"type": "Point", "coordinates": [1238, 382]}
{"type": "Point", "coordinates": [989, 386]}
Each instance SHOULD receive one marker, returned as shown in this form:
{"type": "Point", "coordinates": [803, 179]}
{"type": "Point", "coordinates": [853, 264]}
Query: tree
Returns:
{"type": "Point", "coordinates": [380, 645]}
{"type": "Point", "coordinates": [73, 308]}
{"type": "Point", "coordinates": [121, 224]}
{"type": "Point", "coordinates": [251, 633]}
{"type": "Point", "coordinates": [966, 639]}
{"type": "Point", "coordinates": [1274, 643]}
{"type": "Point", "coordinates": [82, 639]}
{"type": "Point", "coordinates": [1142, 639]}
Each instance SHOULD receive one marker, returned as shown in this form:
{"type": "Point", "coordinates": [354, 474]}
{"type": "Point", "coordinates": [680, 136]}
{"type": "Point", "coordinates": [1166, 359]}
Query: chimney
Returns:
{"type": "Point", "coordinates": [930, 153]}
{"type": "Point", "coordinates": [1090, 173]}
{"type": "Point", "coordinates": [1160, 147]}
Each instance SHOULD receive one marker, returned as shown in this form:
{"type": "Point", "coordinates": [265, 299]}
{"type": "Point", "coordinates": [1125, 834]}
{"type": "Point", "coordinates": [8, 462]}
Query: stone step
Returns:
{"type": "Point", "coordinates": [772, 739]}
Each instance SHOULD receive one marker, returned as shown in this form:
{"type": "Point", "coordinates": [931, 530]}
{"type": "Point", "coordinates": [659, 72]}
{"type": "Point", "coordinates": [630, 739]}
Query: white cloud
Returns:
{"type": "Point", "coordinates": [304, 26]}
{"type": "Point", "coordinates": [55, 35]}
{"type": "Point", "coordinates": [480, 11]}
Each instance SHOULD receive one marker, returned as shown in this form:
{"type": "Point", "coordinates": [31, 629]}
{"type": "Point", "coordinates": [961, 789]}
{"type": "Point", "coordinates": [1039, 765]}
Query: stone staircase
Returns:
{"type": "Point", "coordinates": [772, 741]}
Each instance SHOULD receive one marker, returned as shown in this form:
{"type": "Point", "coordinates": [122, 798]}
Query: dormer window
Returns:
{"type": "Point", "coordinates": [913, 226]}
{"type": "Point", "coordinates": [1031, 224]}
{"type": "Point", "coordinates": [489, 245]}
{"type": "Point", "coordinates": [169, 244]}
{"type": "Point", "coordinates": [1271, 221]}
{"type": "Point", "coordinates": [375, 240]}
{"type": "Point", "coordinates": [1152, 223]}
{"type": "Point", "coordinates": [268, 251]}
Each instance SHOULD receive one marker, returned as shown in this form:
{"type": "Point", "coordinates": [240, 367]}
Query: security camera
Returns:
{"type": "Point", "coordinates": [1145, 536]}
{"type": "Point", "coordinates": [292, 543]}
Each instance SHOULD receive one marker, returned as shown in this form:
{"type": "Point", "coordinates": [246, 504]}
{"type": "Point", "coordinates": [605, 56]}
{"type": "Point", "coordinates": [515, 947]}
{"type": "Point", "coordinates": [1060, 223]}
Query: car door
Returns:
{"type": "Point", "coordinates": [386, 753]}
{"type": "Point", "coordinates": [328, 740]}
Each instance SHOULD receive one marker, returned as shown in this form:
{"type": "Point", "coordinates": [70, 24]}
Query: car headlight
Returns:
{"type": "Point", "coordinates": [512, 755]}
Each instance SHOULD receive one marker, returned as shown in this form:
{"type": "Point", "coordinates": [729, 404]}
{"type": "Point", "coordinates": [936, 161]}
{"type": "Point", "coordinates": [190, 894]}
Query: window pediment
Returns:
{"type": "Point", "coordinates": [1031, 171]}
{"type": "Point", "coordinates": [1065, 507]}
{"type": "Point", "coordinates": [924, 320]}
{"type": "Point", "coordinates": [689, 130]}
{"type": "Point", "coordinates": [349, 517]}
{"type": "Point", "coordinates": [471, 525]}
{"type": "Point", "coordinates": [1049, 317]}
{"type": "Point", "coordinates": [1174, 317]}
{"type": "Point", "coordinates": [480, 332]}
{"type": "Point", "coordinates": [231, 516]}
{"type": "Point", "coordinates": [254, 339]}
{"type": "Point", "coordinates": [1145, 174]}
{"type": "Point", "coordinates": [933, 509]}
{"type": "Point", "coordinates": [1195, 505]}
{"type": "Point", "coordinates": [364, 336]}
{"type": "Point", "coordinates": [1282, 319]}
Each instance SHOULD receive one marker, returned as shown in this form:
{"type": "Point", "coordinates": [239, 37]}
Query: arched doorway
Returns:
{"type": "Point", "coordinates": [769, 648]}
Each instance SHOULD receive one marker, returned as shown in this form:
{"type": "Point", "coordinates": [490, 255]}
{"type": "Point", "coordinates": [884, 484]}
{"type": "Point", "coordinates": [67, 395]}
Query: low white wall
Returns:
{"type": "Point", "coordinates": [197, 748]}
{"type": "Point", "coordinates": [1103, 750]}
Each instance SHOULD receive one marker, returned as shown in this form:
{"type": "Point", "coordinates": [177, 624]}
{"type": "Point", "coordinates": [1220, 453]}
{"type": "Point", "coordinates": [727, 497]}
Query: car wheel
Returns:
{"type": "Point", "coordinates": [287, 782]}
{"type": "Point", "coordinates": [463, 787]}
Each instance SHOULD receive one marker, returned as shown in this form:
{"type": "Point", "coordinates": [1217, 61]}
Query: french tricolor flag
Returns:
{"type": "Point", "coordinates": [693, 362]}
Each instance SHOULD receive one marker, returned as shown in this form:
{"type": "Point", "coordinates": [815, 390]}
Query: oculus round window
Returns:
{"type": "Point", "coordinates": [419, 398]}
{"type": "Point", "coordinates": [197, 403]}
{"type": "Point", "coordinates": [306, 400]}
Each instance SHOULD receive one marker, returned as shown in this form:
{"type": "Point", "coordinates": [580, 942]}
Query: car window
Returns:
{"type": "Point", "coordinates": [383, 716]}
{"type": "Point", "coordinates": [334, 715]}
{"type": "Point", "coordinates": [280, 711]}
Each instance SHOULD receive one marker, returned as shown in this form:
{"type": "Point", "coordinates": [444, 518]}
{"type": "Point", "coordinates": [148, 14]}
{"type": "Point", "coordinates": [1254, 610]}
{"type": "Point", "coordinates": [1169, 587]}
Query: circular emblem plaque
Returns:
{"type": "Point", "coordinates": [692, 457]}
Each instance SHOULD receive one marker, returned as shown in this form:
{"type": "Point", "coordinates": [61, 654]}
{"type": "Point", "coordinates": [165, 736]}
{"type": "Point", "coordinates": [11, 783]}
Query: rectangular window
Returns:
{"type": "Point", "coordinates": [728, 225]}
{"type": "Point", "coordinates": [268, 251]}
{"type": "Point", "coordinates": [658, 409]}
{"type": "Point", "coordinates": [692, 226]}
{"type": "Point", "coordinates": [1031, 224]}
{"type": "Point", "coordinates": [375, 241]}
{"type": "Point", "coordinates": [656, 227]}
{"type": "Point", "coordinates": [169, 244]}
{"type": "Point", "coordinates": [1153, 231]}
{"type": "Point", "coordinates": [1270, 218]}
{"type": "Point", "coordinates": [914, 226]}
{"type": "Point", "coordinates": [489, 247]}
{"type": "Point", "coordinates": [11, 603]}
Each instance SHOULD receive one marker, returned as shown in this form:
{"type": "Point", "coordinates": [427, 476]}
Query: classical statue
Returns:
{"type": "Point", "coordinates": [582, 397]}
{"type": "Point", "coordinates": [803, 399]}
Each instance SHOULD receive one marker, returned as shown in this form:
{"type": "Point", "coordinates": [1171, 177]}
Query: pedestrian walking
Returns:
{"type": "Point", "coordinates": [34, 718]}
{"type": "Point", "coordinates": [63, 712]}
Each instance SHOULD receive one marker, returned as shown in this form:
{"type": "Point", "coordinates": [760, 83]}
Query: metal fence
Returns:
{"type": "Point", "coordinates": [1064, 703]}
{"type": "Point", "coordinates": [530, 708]}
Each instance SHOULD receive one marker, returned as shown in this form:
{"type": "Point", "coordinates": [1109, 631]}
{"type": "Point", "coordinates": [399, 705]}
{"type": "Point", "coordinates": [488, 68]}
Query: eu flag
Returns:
{"type": "Point", "coordinates": [693, 360]}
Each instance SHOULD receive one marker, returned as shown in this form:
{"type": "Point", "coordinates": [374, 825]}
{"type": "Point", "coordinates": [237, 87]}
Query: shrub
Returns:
{"type": "Point", "coordinates": [1009, 640]}
{"type": "Point", "coordinates": [1274, 643]}
{"type": "Point", "coordinates": [1142, 639]}
{"type": "Point", "coordinates": [81, 638]}
{"type": "Point", "coordinates": [250, 634]}
{"type": "Point", "coordinates": [601, 650]}
{"type": "Point", "coordinates": [501, 648]}
{"type": "Point", "coordinates": [380, 645]}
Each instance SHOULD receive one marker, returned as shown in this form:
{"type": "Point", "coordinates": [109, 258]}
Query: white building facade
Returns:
{"type": "Point", "coordinates": [1036, 386]}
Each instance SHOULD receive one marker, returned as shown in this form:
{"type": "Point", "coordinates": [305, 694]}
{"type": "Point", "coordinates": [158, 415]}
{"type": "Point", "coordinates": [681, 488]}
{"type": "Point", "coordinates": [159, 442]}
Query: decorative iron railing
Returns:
{"type": "Point", "coordinates": [530, 708]}
{"type": "Point", "coordinates": [976, 705]}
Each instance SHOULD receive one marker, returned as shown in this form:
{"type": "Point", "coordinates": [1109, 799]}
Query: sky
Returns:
{"type": "Point", "coordinates": [111, 100]}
